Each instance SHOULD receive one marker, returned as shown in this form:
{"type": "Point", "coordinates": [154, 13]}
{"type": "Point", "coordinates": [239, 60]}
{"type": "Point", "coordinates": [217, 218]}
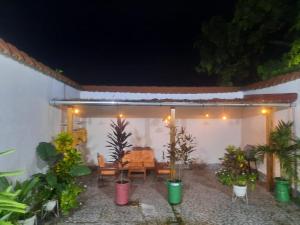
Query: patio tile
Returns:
{"type": "Point", "coordinates": [205, 202]}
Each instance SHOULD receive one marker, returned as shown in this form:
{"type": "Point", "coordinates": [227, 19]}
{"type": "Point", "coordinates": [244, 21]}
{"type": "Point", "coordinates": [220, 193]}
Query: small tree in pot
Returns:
{"type": "Point", "coordinates": [117, 143]}
{"type": "Point", "coordinates": [235, 171]}
{"type": "Point", "coordinates": [178, 154]}
{"type": "Point", "coordinates": [286, 149]}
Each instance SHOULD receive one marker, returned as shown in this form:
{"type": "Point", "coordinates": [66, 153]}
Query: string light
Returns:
{"type": "Point", "coordinates": [167, 120]}
{"type": "Point", "coordinates": [224, 117]}
{"type": "Point", "coordinates": [76, 111]}
{"type": "Point", "coordinates": [264, 111]}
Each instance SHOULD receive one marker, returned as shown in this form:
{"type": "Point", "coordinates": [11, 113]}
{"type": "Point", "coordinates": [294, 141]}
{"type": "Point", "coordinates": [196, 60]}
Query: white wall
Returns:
{"type": "Point", "coordinates": [212, 135]}
{"type": "Point", "coordinates": [26, 117]}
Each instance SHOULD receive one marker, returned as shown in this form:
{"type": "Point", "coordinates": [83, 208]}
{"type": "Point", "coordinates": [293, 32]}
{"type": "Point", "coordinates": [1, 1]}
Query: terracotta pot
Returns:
{"type": "Point", "coordinates": [122, 193]}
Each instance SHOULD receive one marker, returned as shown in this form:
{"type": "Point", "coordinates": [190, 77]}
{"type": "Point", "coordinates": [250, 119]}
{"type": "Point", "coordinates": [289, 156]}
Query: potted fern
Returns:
{"type": "Point", "coordinates": [285, 148]}
{"type": "Point", "coordinates": [117, 142]}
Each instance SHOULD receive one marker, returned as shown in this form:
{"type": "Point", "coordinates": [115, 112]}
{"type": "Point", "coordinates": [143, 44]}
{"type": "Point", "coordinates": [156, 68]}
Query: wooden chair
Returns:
{"type": "Point", "coordinates": [162, 169]}
{"type": "Point", "coordinates": [105, 169]}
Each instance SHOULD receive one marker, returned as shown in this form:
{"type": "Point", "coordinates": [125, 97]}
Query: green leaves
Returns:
{"type": "Point", "coordinates": [259, 42]}
{"type": "Point", "coordinates": [79, 170]}
{"type": "Point", "coordinates": [117, 139]}
{"type": "Point", "coordinates": [47, 152]}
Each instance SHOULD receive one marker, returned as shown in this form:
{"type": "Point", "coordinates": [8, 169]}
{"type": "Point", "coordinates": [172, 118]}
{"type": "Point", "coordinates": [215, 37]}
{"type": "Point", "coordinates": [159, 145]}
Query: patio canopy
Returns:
{"type": "Point", "coordinates": [271, 100]}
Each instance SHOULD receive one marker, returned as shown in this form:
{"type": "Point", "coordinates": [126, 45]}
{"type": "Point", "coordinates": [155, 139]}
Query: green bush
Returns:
{"type": "Point", "coordinates": [68, 198]}
{"type": "Point", "coordinates": [234, 169]}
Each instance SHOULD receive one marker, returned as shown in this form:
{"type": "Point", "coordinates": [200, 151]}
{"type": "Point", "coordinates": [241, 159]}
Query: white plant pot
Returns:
{"type": "Point", "coordinates": [49, 206]}
{"type": "Point", "coordinates": [29, 221]}
{"type": "Point", "coordinates": [240, 191]}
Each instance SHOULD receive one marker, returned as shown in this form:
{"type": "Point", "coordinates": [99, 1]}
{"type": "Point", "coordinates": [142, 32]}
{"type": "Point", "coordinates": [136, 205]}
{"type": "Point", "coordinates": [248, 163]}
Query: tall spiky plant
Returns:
{"type": "Point", "coordinates": [117, 142]}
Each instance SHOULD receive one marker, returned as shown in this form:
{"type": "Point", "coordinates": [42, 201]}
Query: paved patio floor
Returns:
{"type": "Point", "coordinates": [205, 202]}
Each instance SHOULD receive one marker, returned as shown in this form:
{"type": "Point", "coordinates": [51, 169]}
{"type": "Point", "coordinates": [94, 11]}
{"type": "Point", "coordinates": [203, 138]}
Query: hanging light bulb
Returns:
{"type": "Point", "coordinates": [224, 117]}
{"type": "Point", "coordinates": [264, 111]}
{"type": "Point", "coordinates": [76, 111]}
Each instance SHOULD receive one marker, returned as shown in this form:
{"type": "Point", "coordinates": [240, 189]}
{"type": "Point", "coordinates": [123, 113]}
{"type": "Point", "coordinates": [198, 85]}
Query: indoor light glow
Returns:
{"type": "Point", "coordinates": [121, 115]}
{"type": "Point", "coordinates": [76, 111]}
{"type": "Point", "coordinates": [224, 117]}
{"type": "Point", "coordinates": [206, 115]}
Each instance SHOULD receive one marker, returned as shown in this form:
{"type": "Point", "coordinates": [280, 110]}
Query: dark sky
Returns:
{"type": "Point", "coordinates": [113, 42]}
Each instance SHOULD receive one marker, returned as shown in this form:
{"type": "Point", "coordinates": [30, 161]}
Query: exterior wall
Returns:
{"type": "Point", "coordinates": [26, 117]}
{"type": "Point", "coordinates": [212, 135]}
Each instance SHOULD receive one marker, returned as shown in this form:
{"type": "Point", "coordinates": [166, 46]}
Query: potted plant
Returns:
{"type": "Point", "coordinates": [117, 142]}
{"type": "Point", "coordinates": [234, 171]}
{"type": "Point", "coordinates": [179, 154]}
{"type": "Point", "coordinates": [285, 148]}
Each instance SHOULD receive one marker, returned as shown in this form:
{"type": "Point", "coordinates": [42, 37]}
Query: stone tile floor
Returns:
{"type": "Point", "coordinates": [205, 202]}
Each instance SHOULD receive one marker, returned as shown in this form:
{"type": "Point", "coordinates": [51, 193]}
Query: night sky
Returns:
{"type": "Point", "coordinates": [113, 42]}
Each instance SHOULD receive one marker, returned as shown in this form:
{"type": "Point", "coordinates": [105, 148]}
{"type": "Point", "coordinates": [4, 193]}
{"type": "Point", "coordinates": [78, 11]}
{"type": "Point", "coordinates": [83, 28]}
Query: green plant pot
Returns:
{"type": "Point", "coordinates": [174, 192]}
{"type": "Point", "coordinates": [282, 190]}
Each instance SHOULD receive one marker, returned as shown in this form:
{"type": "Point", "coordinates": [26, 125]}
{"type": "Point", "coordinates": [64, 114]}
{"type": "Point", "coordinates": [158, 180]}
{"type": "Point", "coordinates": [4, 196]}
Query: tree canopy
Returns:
{"type": "Point", "coordinates": [259, 41]}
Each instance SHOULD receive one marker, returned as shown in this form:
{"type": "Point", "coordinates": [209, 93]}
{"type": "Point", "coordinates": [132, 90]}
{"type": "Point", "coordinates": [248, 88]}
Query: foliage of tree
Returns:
{"type": "Point", "coordinates": [117, 142]}
{"type": "Point", "coordinates": [260, 41]}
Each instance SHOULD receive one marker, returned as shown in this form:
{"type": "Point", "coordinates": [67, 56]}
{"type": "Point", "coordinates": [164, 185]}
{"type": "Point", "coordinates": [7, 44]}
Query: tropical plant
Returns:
{"type": "Point", "coordinates": [65, 164]}
{"type": "Point", "coordinates": [68, 198]}
{"type": "Point", "coordinates": [285, 148]}
{"type": "Point", "coordinates": [234, 168]}
{"type": "Point", "coordinates": [8, 197]}
{"type": "Point", "coordinates": [117, 142]}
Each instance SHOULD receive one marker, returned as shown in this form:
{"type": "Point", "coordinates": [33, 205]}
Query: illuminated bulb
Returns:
{"type": "Point", "coordinates": [76, 111]}
{"type": "Point", "coordinates": [206, 115]}
{"type": "Point", "coordinates": [224, 117]}
{"type": "Point", "coordinates": [121, 115]}
{"type": "Point", "coordinates": [169, 117]}
{"type": "Point", "coordinates": [264, 111]}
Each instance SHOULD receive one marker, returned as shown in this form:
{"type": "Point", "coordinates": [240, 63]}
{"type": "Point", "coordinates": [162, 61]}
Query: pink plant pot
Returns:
{"type": "Point", "coordinates": [122, 193]}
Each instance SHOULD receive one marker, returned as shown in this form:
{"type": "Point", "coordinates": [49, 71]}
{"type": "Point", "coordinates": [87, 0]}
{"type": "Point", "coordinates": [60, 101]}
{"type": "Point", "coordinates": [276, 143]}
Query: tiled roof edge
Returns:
{"type": "Point", "coordinates": [11, 51]}
{"type": "Point", "coordinates": [281, 79]}
{"type": "Point", "coordinates": [159, 89]}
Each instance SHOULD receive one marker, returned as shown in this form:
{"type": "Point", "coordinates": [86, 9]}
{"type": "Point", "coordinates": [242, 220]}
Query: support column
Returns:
{"type": "Point", "coordinates": [69, 120]}
{"type": "Point", "coordinates": [269, 157]}
{"type": "Point", "coordinates": [172, 140]}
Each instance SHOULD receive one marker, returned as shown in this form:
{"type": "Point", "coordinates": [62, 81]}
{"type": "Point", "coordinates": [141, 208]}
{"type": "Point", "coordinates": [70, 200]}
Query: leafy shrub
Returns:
{"type": "Point", "coordinates": [65, 164]}
{"type": "Point", "coordinates": [234, 168]}
{"type": "Point", "coordinates": [68, 197]}
{"type": "Point", "coordinates": [8, 197]}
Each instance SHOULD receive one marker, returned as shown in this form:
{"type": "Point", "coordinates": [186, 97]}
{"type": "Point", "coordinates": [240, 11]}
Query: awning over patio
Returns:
{"type": "Point", "coordinates": [280, 100]}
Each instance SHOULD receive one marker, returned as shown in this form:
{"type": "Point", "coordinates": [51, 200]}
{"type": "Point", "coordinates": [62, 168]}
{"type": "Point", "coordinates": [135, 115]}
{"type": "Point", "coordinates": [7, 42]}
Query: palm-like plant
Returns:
{"type": "Point", "coordinates": [117, 142]}
{"type": "Point", "coordinates": [8, 196]}
{"type": "Point", "coordinates": [284, 147]}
